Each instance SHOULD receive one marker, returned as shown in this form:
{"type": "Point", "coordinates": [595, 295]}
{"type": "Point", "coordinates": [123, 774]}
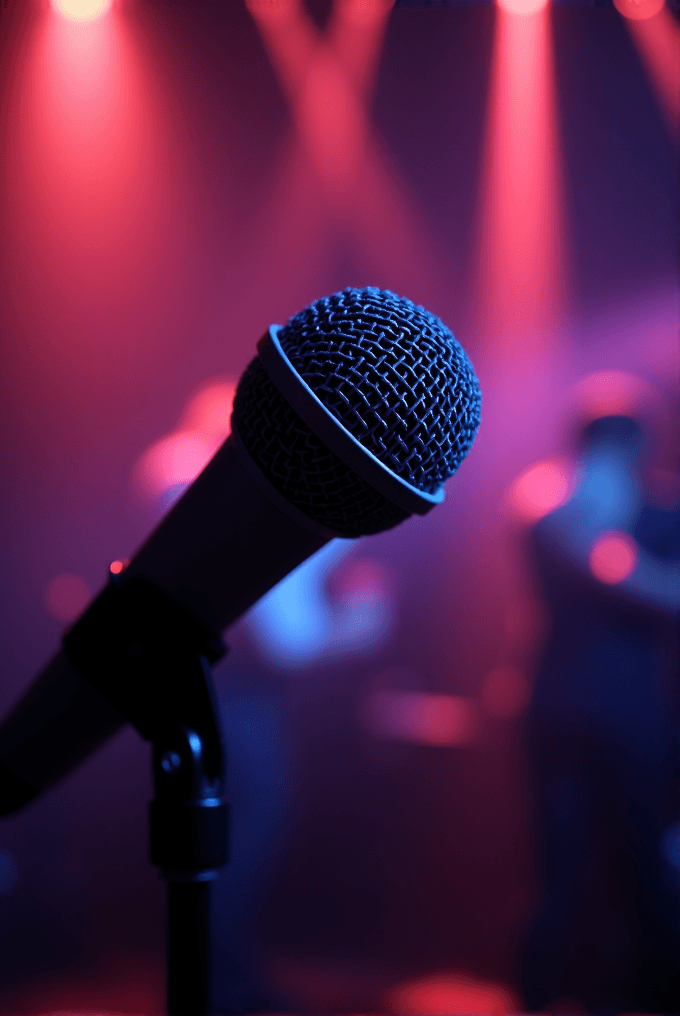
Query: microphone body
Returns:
{"type": "Point", "coordinates": [225, 543]}
{"type": "Point", "coordinates": [221, 547]}
{"type": "Point", "coordinates": [350, 419]}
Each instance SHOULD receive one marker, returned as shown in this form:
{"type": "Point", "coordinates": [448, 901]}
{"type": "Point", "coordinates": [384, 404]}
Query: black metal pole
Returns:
{"type": "Point", "coordinates": [188, 826]}
{"type": "Point", "coordinates": [189, 952]}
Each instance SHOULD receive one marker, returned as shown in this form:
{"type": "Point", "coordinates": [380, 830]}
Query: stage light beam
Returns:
{"type": "Point", "coordinates": [656, 35]}
{"type": "Point", "coordinates": [327, 77]}
{"type": "Point", "coordinates": [519, 261]}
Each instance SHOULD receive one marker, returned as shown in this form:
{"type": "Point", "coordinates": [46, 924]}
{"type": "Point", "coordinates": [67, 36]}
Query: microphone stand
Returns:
{"type": "Point", "coordinates": [188, 842]}
{"type": "Point", "coordinates": [152, 661]}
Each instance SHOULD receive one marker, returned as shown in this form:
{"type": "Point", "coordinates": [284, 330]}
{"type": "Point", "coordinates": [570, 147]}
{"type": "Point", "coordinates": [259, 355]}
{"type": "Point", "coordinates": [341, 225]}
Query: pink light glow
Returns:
{"type": "Point", "coordinates": [421, 718]}
{"type": "Point", "coordinates": [66, 596]}
{"type": "Point", "coordinates": [540, 489]}
{"type": "Point", "coordinates": [362, 579]}
{"type": "Point", "coordinates": [613, 557]}
{"type": "Point", "coordinates": [209, 409]}
{"type": "Point", "coordinates": [176, 459]}
{"type": "Point", "coordinates": [611, 393]}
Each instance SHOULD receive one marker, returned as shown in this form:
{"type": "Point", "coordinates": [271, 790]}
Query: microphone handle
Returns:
{"type": "Point", "coordinates": [227, 541]}
{"type": "Point", "coordinates": [59, 722]}
{"type": "Point", "coordinates": [224, 544]}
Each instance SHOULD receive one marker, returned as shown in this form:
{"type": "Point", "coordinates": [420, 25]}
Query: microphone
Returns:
{"type": "Point", "coordinates": [349, 420]}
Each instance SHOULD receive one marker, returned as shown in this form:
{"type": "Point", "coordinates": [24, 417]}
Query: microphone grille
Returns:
{"type": "Point", "coordinates": [301, 466]}
{"type": "Point", "coordinates": [394, 375]}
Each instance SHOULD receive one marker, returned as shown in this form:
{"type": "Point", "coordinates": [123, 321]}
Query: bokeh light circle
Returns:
{"type": "Point", "coordinates": [540, 489]}
{"type": "Point", "coordinates": [613, 557]}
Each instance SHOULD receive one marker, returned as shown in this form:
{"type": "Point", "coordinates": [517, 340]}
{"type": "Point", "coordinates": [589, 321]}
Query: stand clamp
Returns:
{"type": "Point", "coordinates": [151, 660]}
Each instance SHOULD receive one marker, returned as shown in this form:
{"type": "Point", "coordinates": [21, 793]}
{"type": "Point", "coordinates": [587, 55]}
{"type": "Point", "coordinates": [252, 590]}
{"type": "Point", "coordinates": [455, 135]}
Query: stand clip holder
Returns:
{"type": "Point", "coordinates": [151, 660]}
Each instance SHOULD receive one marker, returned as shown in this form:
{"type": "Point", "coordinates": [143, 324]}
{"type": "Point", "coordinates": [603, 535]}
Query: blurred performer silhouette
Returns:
{"type": "Point", "coordinates": [600, 735]}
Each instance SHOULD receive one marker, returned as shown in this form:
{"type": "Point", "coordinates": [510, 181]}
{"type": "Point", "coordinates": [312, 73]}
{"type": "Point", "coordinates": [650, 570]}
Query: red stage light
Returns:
{"type": "Point", "coordinates": [82, 10]}
{"type": "Point", "coordinates": [613, 557]}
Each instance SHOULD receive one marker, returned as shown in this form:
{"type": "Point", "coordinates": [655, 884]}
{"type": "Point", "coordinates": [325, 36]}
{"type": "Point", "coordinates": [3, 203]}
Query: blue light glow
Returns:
{"type": "Point", "coordinates": [299, 621]}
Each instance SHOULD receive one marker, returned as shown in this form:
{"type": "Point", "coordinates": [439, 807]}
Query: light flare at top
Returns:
{"type": "Point", "coordinates": [522, 7]}
{"type": "Point", "coordinates": [82, 11]}
{"type": "Point", "coordinates": [638, 10]}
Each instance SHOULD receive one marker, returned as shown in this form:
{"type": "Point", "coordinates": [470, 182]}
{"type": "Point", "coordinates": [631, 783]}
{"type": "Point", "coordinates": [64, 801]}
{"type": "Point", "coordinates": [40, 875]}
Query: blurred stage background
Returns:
{"type": "Point", "coordinates": [177, 176]}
